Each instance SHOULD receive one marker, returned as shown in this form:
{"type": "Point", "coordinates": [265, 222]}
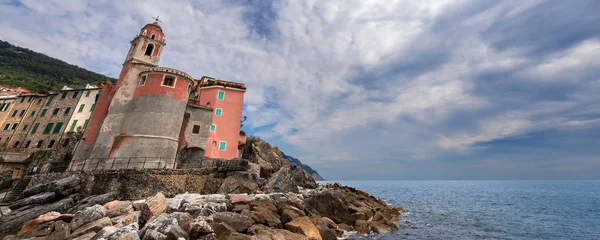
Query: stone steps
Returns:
{"type": "Point", "coordinates": [16, 191]}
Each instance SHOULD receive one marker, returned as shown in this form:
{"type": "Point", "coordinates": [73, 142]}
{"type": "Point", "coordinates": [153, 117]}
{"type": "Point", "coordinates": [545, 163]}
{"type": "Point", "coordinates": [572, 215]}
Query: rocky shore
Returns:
{"type": "Point", "coordinates": [327, 212]}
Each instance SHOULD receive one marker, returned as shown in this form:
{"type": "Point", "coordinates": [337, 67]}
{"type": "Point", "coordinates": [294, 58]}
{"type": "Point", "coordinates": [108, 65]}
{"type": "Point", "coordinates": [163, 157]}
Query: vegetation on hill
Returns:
{"type": "Point", "coordinates": [21, 67]}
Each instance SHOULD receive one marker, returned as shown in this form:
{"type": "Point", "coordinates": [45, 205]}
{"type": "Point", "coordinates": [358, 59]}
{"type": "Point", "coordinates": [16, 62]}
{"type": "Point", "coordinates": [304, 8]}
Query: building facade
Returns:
{"type": "Point", "coordinates": [6, 108]}
{"type": "Point", "coordinates": [157, 113]}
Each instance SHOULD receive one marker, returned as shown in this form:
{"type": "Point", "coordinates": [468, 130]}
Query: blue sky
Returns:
{"type": "Point", "coordinates": [436, 89]}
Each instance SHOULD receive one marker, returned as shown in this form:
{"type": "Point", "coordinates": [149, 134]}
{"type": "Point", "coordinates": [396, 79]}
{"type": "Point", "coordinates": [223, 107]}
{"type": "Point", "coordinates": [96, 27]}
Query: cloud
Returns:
{"type": "Point", "coordinates": [410, 84]}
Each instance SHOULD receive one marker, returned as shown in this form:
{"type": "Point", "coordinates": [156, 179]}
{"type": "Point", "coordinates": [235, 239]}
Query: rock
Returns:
{"type": "Point", "coordinates": [199, 227]}
{"type": "Point", "coordinates": [173, 204]}
{"type": "Point", "coordinates": [378, 227]}
{"type": "Point", "coordinates": [240, 182]}
{"type": "Point", "coordinates": [176, 233]}
{"type": "Point", "coordinates": [33, 224]}
{"type": "Point", "coordinates": [90, 214]}
{"type": "Point", "coordinates": [86, 236]}
{"type": "Point", "coordinates": [200, 208]}
{"type": "Point", "coordinates": [137, 205]}
{"type": "Point", "coordinates": [362, 227]}
{"type": "Point", "coordinates": [234, 236]}
{"type": "Point", "coordinates": [302, 178]}
{"type": "Point", "coordinates": [4, 210]}
{"type": "Point", "coordinates": [261, 232]}
{"type": "Point", "coordinates": [345, 227]}
{"type": "Point", "coordinates": [40, 198]}
{"type": "Point", "coordinates": [12, 223]}
{"type": "Point", "coordinates": [263, 216]}
{"type": "Point", "coordinates": [118, 208]}
{"type": "Point", "coordinates": [181, 217]}
{"type": "Point", "coordinates": [153, 235]}
{"type": "Point", "coordinates": [238, 208]}
{"type": "Point", "coordinates": [234, 165]}
{"type": "Point", "coordinates": [240, 198]}
{"type": "Point", "coordinates": [94, 226]}
{"type": "Point", "coordinates": [281, 181]}
{"type": "Point", "coordinates": [237, 221]}
{"type": "Point", "coordinates": [304, 226]}
{"type": "Point", "coordinates": [66, 186]}
{"type": "Point", "coordinates": [162, 224]}
{"type": "Point", "coordinates": [40, 230]}
{"type": "Point", "coordinates": [93, 200]}
{"type": "Point", "coordinates": [327, 233]}
{"type": "Point", "coordinates": [60, 231]}
{"type": "Point", "coordinates": [331, 204]}
{"type": "Point", "coordinates": [289, 213]}
{"type": "Point", "coordinates": [153, 206]}
{"type": "Point", "coordinates": [122, 221]}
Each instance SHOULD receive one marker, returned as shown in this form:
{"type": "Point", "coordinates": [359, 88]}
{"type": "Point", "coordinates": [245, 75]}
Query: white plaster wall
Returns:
{"type": "Point", "coordinates": [86, 113]}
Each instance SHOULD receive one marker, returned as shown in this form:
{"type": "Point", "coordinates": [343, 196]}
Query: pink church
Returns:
{"type": "Point", "coordinates": [160, 113]}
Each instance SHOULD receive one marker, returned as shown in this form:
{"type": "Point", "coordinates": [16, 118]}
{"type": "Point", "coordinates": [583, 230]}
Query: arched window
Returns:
{"type": "Point", "coordinates": [149, 50]}
{"type": "Point", "coordinates": [153, 36]}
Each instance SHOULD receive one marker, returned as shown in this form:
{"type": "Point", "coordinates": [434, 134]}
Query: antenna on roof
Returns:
{"type": "Point", "coordinates": [156, 19]}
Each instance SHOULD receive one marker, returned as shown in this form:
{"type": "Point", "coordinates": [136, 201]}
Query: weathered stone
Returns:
{"type": "Point", "coordinates": [302, 178]}
{"type": "Point", "coordinates": [378, 227]}
{"type": "Point", "coordinates": [66, 186]}
{"type": "Point", "coordinates": [137, 205]}
{"type": "Point", "coordinates": [40, 230]}
{"type": "Point", "coordinates": [240, 182]}
{"type": "Point", "coordinates": [304, 226]}
{"type": "Point", "coordinates": [34, 223]}
{"type": "Point", "coordinates": [232, 165]}
{"type": "Point", "coordinates": [210, 236]}
{"type": "Point", "coordinates": [40, 198]}
{"type": "Point", "coordinates": [362, 227]}
{"type": "Point", "coordinates": [345, 227]}
{"type": "Point", "coordinates": [86, 236]}
{"type": "Point", "coordinates": [176, 233]}
{"type": "Point", "coordinates": [265, 217]}
{"type": "Point", "coordinates": [238, 208]}
{"type": "Point", "coordinates": [118, 208]}
{"type": "Point", "coordinates": [261, 232]}
{"type": "Point", "coordinates": [12, 223]}
{"type": "Point", "coordinates": [234, 236]}
{"type": "Point", "coordinates": [153, 206]}
{"type": "Point", "coordinates": [173, 204]}
{"type": "Point", "coordinates": [60, 231]}
{"type": "Point", "coordinates": [90, 214]}
{"type": "Point", "coordinates": [181, 217]}
{"type": "Point", "coordinates": [94, 226]}
{"type": "Point", "coordinates": [153, 235]}
{"type": "Point", "coordinates": [4, 210]}
{"type": "Point", "coordinates": [122, 221]}
{"type": "Point", "coordinates": [199, 208]}
{"type": "Point", "coordinates": [240, 198]}
{"type": "Point", "coordinates": [281, 181]}
{"type": "Point", "coordinates": [237, 221]}
{"type": "Point", "coordinates": [199, 227]}
{"type": "Point", "coordinates": [289, 213]}
{"type": "Point", "coordinates": [93, 200]}
{"type": "Point", "coordinates": [162, 224]}
{"type": "Point", "coordinates": [327, 233]}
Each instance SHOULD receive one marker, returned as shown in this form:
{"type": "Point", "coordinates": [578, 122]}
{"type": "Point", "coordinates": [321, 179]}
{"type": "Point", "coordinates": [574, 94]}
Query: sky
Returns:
{"type": "Point", "coordinates": [370, 90]}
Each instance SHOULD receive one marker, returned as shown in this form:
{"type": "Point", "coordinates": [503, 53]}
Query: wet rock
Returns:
{"type": "Point", "coordinates": [153, 206]}
{"type": "Point", "coordinates": [118, 208]}
{"type": "Point", "coordinates": [304, 226]}
{"type": "Point", "coordinates": [94, 226]}
{"type": "Point", "coordinates": [90, 214]}
{"type": "Point", "coordinates": [40, 198]}
{"type": "Point", "coordinates": [237, 221]}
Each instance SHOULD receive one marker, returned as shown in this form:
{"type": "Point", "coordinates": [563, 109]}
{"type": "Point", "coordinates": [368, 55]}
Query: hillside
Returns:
{"type": "Point", "coordinates": [21, 67]}
{"type": "Point", "coordinates": [311, 171]}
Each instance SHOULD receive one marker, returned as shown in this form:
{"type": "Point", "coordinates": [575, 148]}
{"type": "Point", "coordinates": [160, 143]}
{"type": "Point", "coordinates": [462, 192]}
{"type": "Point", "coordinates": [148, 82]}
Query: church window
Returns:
{"type": "Point", "coordinates": [213, 127]}
{"type": "Point", "coordinates": [169, 81]}
{"type": "Point", "coordinates": [142, 81]}
{"type": "Point", "coordinates": [153, 36]}
{"type": "Point", "coordinates": [221, 96]}
{"type": "Point", "coordinates": [196, 129]}
{"type": "Point", "coordinates": [149, 50]}
{"type": "Point", "coordinates": [222, 145]}
{"type": "Point", "coordinates": [219, 112]}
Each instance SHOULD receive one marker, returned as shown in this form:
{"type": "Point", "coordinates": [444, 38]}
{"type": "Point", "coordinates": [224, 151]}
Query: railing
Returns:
{"type": "Point", "coordinates": [122, 163]}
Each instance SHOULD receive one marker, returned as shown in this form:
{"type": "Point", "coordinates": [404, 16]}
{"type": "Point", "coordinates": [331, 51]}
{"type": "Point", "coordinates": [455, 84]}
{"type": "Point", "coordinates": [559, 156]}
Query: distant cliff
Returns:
{"type": "Point", "coordinates": [312, 172]}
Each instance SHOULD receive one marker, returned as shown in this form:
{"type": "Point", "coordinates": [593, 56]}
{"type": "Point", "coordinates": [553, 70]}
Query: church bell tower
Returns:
{"type": "Point", "coordinates": [147, 46]}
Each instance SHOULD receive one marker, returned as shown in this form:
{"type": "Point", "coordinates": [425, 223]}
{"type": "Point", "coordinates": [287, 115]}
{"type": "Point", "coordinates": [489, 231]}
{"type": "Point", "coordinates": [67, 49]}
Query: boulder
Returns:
{"type": "Point", "coordinates": [326, 233]}
{"type": "Point", "coordinates": [122, 221]}
{"type": "Point", "coordinates": [304, 226]}
{"type": "Point", "coordinates": [240, 182]}
{"type": "Point", "coordinates": [34, 223]}
{"type": "Point", "coordinates": [39, 198]}
{"type": "Point", "coordinates": [173, 204]}
{"type": "Point", "coordinates": [137, 205]}
{"type": "Point", "coordinates": [199, 227]}
{"type": "Point", "coordinates": [289, 213]}
{"type": "Point", "coordinates": [362, 227]}
{"type": "Point", "coordinates": [94, 226]}
{"type": "Point", "coordinates": [90, 214]}
{"type": "Point", "coordinates": [181, 217]}
{"type": "Point", "coordinates": [66, 186]}
{"type": "Point", "coordinates": [118, 208]}
{"type": "Point", "coordinates": [60, 231]}
{"type": "Point", "coordinates": [281, 181]}
{"type": "Point", "coordinates": [153, 235]}
{"type": "Point", "coordinates": [12, 223]}
{"type": "Point", "coordinates": [40, 230]}
{"type": "Point", "coordinates": [237, 221]}
{"type": "Point", "coordinates": [240, 198]}
{"type": "Point", "coordinates": [302, 178]}
{"type": "Point", "coordinates": [93, 200]}
{"type": "Point", "coordinates": [263, 212]}
{"type": "Point", "coordinates": [200, 208]}
{"type": "Point", "coordinates": [85, 236]}
{"type": "Point", "coordinates": [234, 165]}
{"type": "Point", "coordinates": [153, 206]}
{"type": "Point", "coordinates": [261, 232]}
{"type": "Point", "coordinates": [378, 227]}
{"type": "Point", "coordinates": [129, 232]}
{"type": "Point", "coordinates": [162, 224]}
{"type": "Point", "coordinates": [176, 233]}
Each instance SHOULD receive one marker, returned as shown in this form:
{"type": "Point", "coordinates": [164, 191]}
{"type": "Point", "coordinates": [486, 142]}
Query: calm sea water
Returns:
{"type": "Point", "coordinates": [491, 209]}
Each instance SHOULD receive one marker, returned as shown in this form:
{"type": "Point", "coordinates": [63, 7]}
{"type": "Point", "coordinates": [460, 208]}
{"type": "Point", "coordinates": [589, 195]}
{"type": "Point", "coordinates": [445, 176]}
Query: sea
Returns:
{"type": "Point", "coordinates": [490, 209]}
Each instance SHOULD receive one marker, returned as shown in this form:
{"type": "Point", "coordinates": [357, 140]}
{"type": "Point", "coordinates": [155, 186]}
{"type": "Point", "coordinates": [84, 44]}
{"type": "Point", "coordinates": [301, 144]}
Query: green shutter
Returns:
{"type": "Point", "coordinates": [87, 93]}
{"type": "Point", "coordinates": [93, 106]}
{"type": "Point", "coordinates": [35, 127]}
{"type": "Point", "coordinates": [213, 127]}
{"type": "Point", "coordinates": [81, 107]}
{"type": "Point", "coordinates": [48, 128]}
{"type": "Point", "coordinates": [43, 112]}
{"type": "Point", "coordinates": [222, 145]}
{"type": "Point", "coordinates": [75, 94]}
{"type": "Point", "coordinates": [55, 112]}
{"type": "Point", "coordinates": [218, 112]}
{"type": "Point", "coordinates": [85, 124]}
{"type": "Point", "coordinates": [7, 126]}
{"type": "Point", "coordinates": [49, 100]}
{"type": "Point", "coordinates": [57, 128]}
{"type": "Point", "coordinates": [67, 110]}
{"type": "Point", "coordinates": [221, 96]}
{"type": "Point", "coordinates": [73, 126]}
{"type": "Point", "coordinates": [15, 126]}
